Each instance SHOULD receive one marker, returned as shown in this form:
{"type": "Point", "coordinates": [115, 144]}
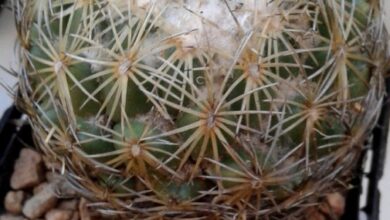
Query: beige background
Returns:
{"type": "Point", "coordinates": [7, 59]}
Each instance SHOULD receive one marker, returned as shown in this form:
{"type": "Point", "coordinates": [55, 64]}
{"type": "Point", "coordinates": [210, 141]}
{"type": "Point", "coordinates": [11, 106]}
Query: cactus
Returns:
{"type": "Point", "coordinates": [207, 109]}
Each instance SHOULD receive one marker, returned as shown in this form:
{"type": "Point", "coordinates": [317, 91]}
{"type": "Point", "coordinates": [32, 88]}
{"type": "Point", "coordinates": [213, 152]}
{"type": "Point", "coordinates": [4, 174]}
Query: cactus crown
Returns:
{"type": "Point", "coordinates": [202, 108]}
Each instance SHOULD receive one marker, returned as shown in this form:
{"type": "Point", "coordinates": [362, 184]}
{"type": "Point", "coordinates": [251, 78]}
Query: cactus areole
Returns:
{"type": "Point", "coordinates": [202, 109]}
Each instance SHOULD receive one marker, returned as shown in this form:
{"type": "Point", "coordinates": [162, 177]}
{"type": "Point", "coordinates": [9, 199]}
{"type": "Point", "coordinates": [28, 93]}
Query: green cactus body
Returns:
{"type": "Point", "coordinates": [89, 135]}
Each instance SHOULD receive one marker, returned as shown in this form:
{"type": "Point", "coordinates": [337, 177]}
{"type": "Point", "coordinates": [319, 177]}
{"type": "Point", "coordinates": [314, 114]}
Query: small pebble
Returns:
{"type": "Point", "coordinates": [68, 204]}
{"type": "Point", "coordinates": [11, 217]}
{"type": "Point", "coordinates": [40, 187]}
{"type": "Point", "coordinates": [58, 214]}
{"type": "Point", "coordinates": [83, 210]}
{"type": "Point", "coordinates": [334, 205]}
{"type": "Point", "coordinates": [75, 216]}
{"type": "Point", "coordinates": [13, 201]}
{"type": "Point", "coordinates": [27, 170]}
{"type": "Point", "coordinates": [40, 203]}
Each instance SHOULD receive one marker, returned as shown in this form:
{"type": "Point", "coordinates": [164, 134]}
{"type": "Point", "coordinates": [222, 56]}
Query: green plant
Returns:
{"type": "Point", "coordinates": [202, 109]}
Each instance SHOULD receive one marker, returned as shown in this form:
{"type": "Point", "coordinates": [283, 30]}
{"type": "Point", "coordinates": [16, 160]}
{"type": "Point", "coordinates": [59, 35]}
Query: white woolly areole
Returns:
{"type": "Point", "coordinates": [208, 24]}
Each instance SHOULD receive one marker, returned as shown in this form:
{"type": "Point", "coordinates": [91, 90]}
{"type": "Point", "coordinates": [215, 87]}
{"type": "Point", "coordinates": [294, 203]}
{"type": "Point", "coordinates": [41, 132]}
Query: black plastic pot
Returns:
{"type": "Point", "coordinates": [378, 148]}
{"type": "Point", "coordinates": [14, 136]}
{"type": "Point", "coordinates": [2, 2]}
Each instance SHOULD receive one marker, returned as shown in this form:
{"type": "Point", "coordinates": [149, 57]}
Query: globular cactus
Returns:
{"type": "Point", "coordinates": [204, 109]}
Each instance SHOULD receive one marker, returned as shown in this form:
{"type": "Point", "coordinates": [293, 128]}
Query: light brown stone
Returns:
{"type": "Point", "coordinates": [12, 217]}
{"type": "Point", "coordinates": [83, 210]}
{"type": "Point", "coordinates": [68, 205]}
{"type": "Point", "coordinates": [13, 201]}
{"type": "Point", "coordinates": [75, 216]}
{"type": "Point", "coordinates": [40, 203]}
{"type": "Point", "coordinates": [40, 187]}
{"type": "Point", "coordinates": [59, 214]}
{"type": "Point", "coordinates": [334, 204]}
{"type": "Point", "coordinates": [27, 170]}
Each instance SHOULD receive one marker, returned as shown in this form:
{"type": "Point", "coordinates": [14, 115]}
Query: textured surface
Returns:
{"type": "Point", "coordinates": [386, 169]}
{"type": "Point", "coordinates": [180, 111]}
